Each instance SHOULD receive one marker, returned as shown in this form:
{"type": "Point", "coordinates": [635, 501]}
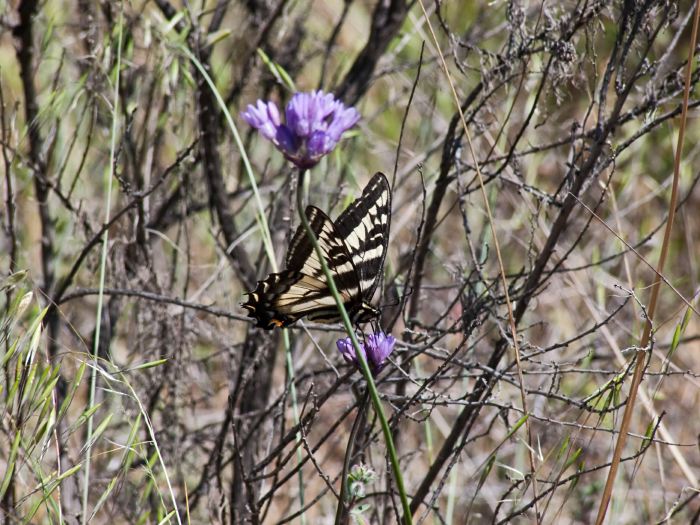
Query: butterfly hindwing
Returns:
{"type": "Point", "coordinates": [302, 257]}
{"type": "Point", "coordinates": [354, 248]}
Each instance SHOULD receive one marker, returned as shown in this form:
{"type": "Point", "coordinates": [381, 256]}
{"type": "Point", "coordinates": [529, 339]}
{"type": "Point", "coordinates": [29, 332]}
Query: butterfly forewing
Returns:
{"type": "Point", "coordinates": [354, 247]}
{"type": "Point", "coordinates": [364, 226]}
{"type": "Point", "coordinates": [302, 257]}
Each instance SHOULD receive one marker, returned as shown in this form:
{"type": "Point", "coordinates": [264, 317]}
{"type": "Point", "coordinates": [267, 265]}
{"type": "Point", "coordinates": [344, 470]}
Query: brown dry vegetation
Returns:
{"type": "Point", "coordinates": [566, 103]}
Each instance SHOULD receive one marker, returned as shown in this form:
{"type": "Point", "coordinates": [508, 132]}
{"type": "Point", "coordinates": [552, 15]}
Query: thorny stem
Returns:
{"type": "Point", "coordinates": [364, 367]}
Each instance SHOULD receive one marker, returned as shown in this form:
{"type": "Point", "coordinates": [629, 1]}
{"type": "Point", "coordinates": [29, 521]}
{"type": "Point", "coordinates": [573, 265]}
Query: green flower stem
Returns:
{"type": "Point", "coordinates": [360, 418]}
{"type": "Point", "coordinates": [267, 239]}
{"type": "Point", "coordinates": [364, 367]}
{"type": "Point", "coordinates": [295, 409]}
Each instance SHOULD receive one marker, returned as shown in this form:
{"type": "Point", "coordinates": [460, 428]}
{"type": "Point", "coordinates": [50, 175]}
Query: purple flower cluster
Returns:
{"type": "Point", "coordinates": [315, 121]}
{"type": "Point", "coordinates": [376, 349]}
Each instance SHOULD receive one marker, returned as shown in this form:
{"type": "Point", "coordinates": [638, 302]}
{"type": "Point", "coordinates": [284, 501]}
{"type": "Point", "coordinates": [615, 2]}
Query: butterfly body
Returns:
{"type": "Point", "coordinates": [354, 248]}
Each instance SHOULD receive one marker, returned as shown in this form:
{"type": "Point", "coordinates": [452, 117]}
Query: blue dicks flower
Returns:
{"type": "Point", "coordinates": [375, 350]}
{"type": "Point", "coordinates": [315, 123]}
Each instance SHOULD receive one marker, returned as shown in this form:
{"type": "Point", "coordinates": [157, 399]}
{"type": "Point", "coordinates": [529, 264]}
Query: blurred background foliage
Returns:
{"type": "Point", "coordinates": [193, 413]}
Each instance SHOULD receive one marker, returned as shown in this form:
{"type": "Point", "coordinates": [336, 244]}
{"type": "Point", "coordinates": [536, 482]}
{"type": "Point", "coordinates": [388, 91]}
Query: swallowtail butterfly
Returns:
{"type": "Point", "coordinates": [354, 247]}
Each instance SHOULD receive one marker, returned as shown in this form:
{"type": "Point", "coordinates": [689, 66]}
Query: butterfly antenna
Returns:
{"type": "Point", "coordinates": [376, 323]}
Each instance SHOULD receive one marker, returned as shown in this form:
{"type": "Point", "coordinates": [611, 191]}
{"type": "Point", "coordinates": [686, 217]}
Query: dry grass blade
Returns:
{"type": "Point", "coordinates": [651, 310]}
{"type": "Point", "coordinates": [501, 268]}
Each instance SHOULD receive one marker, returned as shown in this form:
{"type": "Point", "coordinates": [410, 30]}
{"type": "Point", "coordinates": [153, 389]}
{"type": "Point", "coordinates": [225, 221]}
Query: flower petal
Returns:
{"type": "Point", "coordinates": [343, 119]}
{"type": "Point", "coordinates": [320, 143]}
{"type": "Point", "coordinates": [379, 347]}
{"type": "Point", "coordinates": [286, 141]}
{"type": "Point", "coordinates": [347, 350]}
{"type": "Point", "coordinates": [264, 117]}
{"type": "Point", "coordinates": [299, 115]}
{"type": "Point", "coordinates": [376, 349]}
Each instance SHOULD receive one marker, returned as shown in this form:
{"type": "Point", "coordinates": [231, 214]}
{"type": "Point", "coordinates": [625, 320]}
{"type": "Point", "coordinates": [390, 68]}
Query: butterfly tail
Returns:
{"type": "Point", "coordinates": [261, 301]}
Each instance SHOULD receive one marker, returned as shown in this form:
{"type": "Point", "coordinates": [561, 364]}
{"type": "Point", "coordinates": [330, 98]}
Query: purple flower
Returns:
{"type": "Point", "coordinates": [315, 123]}
{"type": "Point", "coordinates": [375, 350]}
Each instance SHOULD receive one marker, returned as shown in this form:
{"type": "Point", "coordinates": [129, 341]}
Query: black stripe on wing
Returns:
{"type": "Point", "coordinates": [302, 289]}
{"type": "Point", "coordinates": [283, 298]}
{"type": "Point", "coordinates": [364, 226]}
{"type": "Point", "coordinates": [302, 257]}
